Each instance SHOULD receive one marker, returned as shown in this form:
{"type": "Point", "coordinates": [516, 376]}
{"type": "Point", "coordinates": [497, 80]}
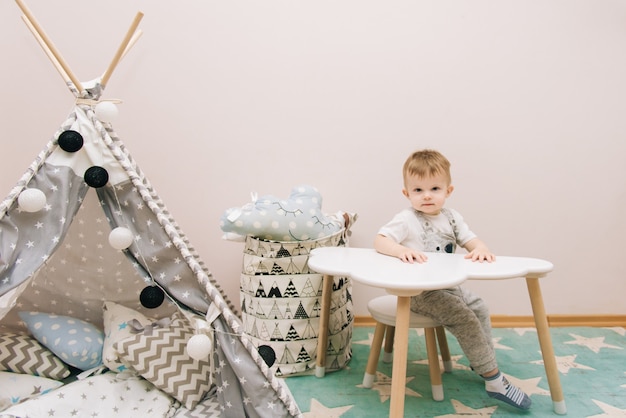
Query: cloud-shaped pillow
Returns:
{"type": "Point", "coordinates": [297, 218]}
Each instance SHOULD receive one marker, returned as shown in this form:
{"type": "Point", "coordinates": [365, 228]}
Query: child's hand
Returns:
{"type": "Point", "coordinates": [478, 251]}
{"type": "Point", "coordinates": [408, 255]}
{"type": "Point", "coordinates": [385, 245]}
{"type": "Point", "coordinates": [481, 254]}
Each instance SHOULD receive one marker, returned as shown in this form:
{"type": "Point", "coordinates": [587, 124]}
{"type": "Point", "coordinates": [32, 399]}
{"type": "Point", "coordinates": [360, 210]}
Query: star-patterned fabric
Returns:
{"type": "Point", "coordinates": [591, 363]}
{"type": "Point", "coordinates": [108, 394]}
{"type": "Point", "coordinates": [59, 260]}
{"type": "Point", "coordinates": [82, 271]}
{"type": "Point", "coordinates": [62, 250]}
{"type": "Point", "coordinates": [241, 392]}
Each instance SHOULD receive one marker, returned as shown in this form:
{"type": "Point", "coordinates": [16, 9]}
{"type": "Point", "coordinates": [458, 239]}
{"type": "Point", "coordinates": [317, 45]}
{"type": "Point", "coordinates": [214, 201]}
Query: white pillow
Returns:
{"type": "Point", "coordinates": [18, 387]}
{"type": "Point", "coordinates": [106, 395]}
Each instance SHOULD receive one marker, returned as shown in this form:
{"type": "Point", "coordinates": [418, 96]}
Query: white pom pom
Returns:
{"type": "Point", "coordinates": [106, 111]}
{"type": "Point", "coordinates": [121, 238]}
{"type": "Point", "coordinates": [199, 347]}
{"type": "Point", "coordinates": [31, 200]}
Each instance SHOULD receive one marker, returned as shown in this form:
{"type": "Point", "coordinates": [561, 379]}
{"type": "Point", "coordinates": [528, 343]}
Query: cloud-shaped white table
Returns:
{"type": "Point", "coordinates": [441, 271]}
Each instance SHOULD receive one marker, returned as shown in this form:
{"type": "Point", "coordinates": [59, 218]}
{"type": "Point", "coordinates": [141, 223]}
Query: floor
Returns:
{"type": "Point", "coordinates": [591, 361]}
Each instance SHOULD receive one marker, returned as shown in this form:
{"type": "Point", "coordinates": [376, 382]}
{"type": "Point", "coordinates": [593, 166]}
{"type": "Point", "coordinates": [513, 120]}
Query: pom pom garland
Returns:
{"type": "Point", "coordinates": [199, 347]}
{"type": "Point", "coordinates": [121, 238]}
{"type": "Point", "coordinates": [106, 111]}
{"type": "Point", "coordinates": [96, 177]}
{"type": "Point", "coordinates": [151, 297]}
{"type": "Point", "coordinates": [70, 141]}
{"type": "Point", "coordinates": [31, 200]}
{"type": "Point", "coordinates": [268, 354]}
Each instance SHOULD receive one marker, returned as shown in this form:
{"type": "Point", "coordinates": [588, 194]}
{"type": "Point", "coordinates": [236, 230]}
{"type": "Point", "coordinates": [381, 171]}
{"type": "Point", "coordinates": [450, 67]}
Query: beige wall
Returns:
{"type": "Point", "coordinates": [526, 98]}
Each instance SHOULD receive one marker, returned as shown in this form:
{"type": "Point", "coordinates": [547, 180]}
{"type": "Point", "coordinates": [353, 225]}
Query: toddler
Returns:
{"type": "Point", "coordinates": [427, 226]}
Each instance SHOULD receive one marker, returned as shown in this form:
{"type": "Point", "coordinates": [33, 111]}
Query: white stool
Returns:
{"type": "Point", "coordinates": [383, 310]}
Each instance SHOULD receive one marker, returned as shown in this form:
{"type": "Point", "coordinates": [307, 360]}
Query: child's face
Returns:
{"type": "Point", "coordinates": [427, 194]}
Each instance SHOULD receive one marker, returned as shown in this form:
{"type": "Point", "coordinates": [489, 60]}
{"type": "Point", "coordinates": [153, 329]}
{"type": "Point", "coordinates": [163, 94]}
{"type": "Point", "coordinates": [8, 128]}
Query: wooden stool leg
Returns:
{"type": "Point", "coordinates": [433, 364]}
{"type": "Point", "coordinates": [372, 360]}
{"type": "Point", "coordinates": [444, 349]}
{"type": "Point", "coordinates": [389, 336]}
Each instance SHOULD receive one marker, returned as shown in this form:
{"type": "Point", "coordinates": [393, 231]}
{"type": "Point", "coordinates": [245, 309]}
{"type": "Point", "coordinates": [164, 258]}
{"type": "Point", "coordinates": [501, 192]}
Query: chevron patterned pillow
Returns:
{"type": "Point", "coordinates": [116, 318]}
{"type": "Point", "coordinates": [24, 354]}
{"type": "Point", "coordinates": [159, 354]}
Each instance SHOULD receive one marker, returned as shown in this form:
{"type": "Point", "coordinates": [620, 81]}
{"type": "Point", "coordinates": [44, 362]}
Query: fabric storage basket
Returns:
{"type": "Point", "coordinates": [281, 301]}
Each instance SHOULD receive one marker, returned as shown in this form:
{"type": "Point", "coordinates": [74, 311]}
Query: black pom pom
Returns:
{"type": "Point", "coordinates": [268, 354]}
{"type": "Point", "coordinates": [70, 141]}
{"type": "Point", "coordinates": [151, 297]}
{"type": "Point", "coordinates": [96, 176]}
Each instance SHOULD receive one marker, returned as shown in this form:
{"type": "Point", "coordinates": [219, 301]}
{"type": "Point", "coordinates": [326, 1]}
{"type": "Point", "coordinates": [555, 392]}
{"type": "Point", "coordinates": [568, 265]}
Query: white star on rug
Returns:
{"type": "Point", "coordinates": [529, 386]}
{"type": "Point", "coordinates": [522, 331]}
{"type": "Point", "coordinates": [370, 337]}
{"type": "Point", "coordinates": [419, 331]}
{"type": "Point", "coordinates": [382, 384]}
{"type": "Point", "coordinates": [594, 344]}
{"type": "Point", "coordinates": [317, 410]}
{"type": "Point", "coordinates": [565, 363]}
{"type": "Point", "coordinates": [496, 344]}
{"type": "Point", "coordinates": [453, 359]}
{"type": "Point", "coordinates": [609, 411]}
{"type": "Point", "coordinates": [464, 410]}
{"type": "Point", "coordinates": [620, 330]}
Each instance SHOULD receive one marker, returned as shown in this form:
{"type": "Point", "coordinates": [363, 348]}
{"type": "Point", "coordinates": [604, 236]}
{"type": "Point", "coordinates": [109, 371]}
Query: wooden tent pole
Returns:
{"type": "Point", "coordinates": [49, 45]}
{"type": "Point", "coordinates": [132, 42]}
{"type": "Point", "coordinates": [120, 50]}
{"type": "Point", "coordinates": [45, 48]}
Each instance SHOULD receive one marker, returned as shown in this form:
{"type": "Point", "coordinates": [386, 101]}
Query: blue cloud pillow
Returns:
{"type": "Point", "coordinates": [296, 218]}
{"type": "Point", "coordinates": [76, 342]}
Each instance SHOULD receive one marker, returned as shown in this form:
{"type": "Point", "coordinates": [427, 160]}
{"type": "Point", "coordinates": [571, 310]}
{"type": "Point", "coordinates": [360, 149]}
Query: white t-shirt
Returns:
{"type": "Point", "coordinates": [429, 233]}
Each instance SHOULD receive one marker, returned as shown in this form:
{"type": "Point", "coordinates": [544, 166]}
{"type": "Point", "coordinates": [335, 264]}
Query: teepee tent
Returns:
{"type": "Point", "coordinates": [83, 226]}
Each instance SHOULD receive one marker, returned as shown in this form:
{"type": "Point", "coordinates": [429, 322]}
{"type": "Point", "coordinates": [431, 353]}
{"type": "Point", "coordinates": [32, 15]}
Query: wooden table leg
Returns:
{"type": "Point", "coordinates": [401, 345]}
{"type": "Point", "coordinates": [322, 337]}
{"type": "Point", "coordinates": [545, 342]}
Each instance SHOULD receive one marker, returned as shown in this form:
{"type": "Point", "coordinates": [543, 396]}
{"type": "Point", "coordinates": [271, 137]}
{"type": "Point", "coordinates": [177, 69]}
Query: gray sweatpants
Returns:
{"type": "Point", "coordinates": [466, 316]}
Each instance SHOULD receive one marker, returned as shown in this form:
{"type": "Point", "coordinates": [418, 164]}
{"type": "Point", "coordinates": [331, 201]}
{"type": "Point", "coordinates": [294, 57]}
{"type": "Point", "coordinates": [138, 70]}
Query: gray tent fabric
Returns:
{"type": "Point", "coordinates": [58, 260]}
{"type": "Point", "coordinates": [18, 237]}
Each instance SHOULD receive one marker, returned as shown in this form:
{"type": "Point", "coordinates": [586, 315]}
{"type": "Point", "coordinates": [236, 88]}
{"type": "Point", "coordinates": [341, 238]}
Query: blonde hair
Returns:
{"type": "Point", "coordinates": [426, 163]}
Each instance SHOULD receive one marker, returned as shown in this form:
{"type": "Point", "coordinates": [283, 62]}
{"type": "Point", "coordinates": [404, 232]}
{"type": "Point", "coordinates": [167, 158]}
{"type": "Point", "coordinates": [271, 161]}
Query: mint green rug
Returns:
{"type": "Point", "coordinates": [591, 362]}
